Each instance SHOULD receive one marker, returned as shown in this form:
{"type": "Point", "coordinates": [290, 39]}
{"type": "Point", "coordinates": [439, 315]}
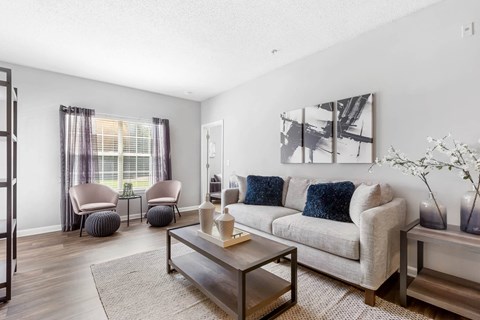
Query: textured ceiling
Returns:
{"type": "Point", "coordinates": [177, 46]}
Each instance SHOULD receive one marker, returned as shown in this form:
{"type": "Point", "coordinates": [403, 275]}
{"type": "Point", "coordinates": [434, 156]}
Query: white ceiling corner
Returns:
{"type": "Point", "coordinates": [176, 46]}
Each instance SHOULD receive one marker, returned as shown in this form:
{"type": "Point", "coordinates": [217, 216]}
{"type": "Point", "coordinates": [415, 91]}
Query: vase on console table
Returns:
{"type": "Point", "coordinates": [470, 213]}
{"type": "Point", "coordinates": [206, 212]}
{"type": "Point", "coordinates": [433, 214]}
{"type": "Point", "coordinates": [225, 224]}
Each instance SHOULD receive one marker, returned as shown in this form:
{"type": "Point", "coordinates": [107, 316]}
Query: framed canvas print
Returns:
{"type": "Point", "coordinates": [354, 139]}
{"type": "Point", "coordinates": [291, 136]}
{"type": "Point", "coordinates": [318, 133]}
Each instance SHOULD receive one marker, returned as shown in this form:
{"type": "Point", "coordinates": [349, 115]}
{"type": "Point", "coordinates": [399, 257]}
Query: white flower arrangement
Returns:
{"type": "Point", "coordinates": [417, 168]}
{"type": "Point", "coordinates": [455, 156]}
{"type": "Point", "coordinates": [461, 157]}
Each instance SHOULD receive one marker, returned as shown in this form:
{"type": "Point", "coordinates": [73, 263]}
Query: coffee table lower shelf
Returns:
{"type": "Point", "coordinates": [221, 285]}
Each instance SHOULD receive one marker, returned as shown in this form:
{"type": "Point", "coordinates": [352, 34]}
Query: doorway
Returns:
{"type": "Point", "coordinates": [212, 178]}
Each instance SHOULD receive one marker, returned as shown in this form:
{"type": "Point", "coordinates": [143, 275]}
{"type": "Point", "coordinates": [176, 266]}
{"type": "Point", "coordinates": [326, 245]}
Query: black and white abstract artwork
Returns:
{"type": "Point", "coordinates": [291, 136]}
{"type": "Point", "coordinates": [318, 133]}
{"type": "Point", "coordinates": [354, 143]}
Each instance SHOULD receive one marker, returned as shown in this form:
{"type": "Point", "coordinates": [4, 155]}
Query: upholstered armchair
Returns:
{"type": "Point", "coordinates": [164, 193]}
{"type": "Point", "coordinates": [92, 197]}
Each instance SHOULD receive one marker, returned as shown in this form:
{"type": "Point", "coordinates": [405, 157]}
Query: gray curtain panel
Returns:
{"type": "Point", "coordinates": [161, 161]}
{"type": "Point", "coordinates": [78, 162]}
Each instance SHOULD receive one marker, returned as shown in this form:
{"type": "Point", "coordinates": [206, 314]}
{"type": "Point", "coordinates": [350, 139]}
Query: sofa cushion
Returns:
{"type": "Point", "coordinates": [339, 238]}
{"type": "Point", "coordinates": [258, 217]}
{"type": "Point", "coordinates": [264, 191]}
{"type": "Point", "coordinates": [329, 201]}
{"type": "Point", "coordinates": [364, 198]}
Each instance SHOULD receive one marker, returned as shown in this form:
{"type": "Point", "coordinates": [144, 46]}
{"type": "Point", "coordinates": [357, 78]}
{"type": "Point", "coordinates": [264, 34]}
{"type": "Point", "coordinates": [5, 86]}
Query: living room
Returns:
{"type": "Point", "coordinates": [420, 62]}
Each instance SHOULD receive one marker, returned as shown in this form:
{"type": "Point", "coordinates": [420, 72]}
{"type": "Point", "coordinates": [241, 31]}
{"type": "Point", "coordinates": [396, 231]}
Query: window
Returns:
{"type": "Point", "coordinates": [123, 152]}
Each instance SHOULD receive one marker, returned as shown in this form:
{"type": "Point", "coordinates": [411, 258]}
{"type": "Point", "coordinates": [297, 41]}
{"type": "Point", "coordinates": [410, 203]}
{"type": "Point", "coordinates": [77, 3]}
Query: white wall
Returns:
{"type": "Point", "coordinates": [40, 95]}
{"type": "Point", "coordinates": [426, 81]}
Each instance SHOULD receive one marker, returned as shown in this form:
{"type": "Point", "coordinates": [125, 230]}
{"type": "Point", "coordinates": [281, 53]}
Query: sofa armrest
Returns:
{"type": "Point", "coordinates": [229, 196]}
{"type": "Point", "coordinates": [380, 242]}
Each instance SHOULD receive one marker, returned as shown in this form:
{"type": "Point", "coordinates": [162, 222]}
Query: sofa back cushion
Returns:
{"type": "Point", "coordinates": [265, 191]}
{"type": "Point", "coordinates": [365, 197]}
{"type": "Point", "coordinates": [297, 192]}
{"type": "Point", "coordinates": [329, 201]}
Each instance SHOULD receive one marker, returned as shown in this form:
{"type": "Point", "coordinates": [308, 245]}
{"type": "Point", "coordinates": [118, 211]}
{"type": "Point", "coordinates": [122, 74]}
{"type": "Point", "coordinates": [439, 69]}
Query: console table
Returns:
{"type": "Point", "coordinates": [455, 294]}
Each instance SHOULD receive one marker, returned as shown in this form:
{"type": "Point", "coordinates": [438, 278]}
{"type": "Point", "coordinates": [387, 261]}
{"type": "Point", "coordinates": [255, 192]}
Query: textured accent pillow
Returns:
{"type": "Point", "coordinates": [264, 191]}
{"type": "Point", "coordinates": [242, 187]}
{"type": "Point", "coordinates": [329, 201]}
{"type": "Point", "coordinates": [364, 198]}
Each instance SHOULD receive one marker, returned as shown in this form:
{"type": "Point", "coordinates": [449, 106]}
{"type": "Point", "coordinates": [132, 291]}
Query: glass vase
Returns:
{"type": "Point", "coordinates": [433, 214]}
{"type": "Point", "coordinates": [470, 213]}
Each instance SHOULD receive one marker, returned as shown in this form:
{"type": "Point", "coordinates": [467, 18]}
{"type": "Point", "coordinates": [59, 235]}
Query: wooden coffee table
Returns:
{"type": "Point", "coordinates": [232, 277]}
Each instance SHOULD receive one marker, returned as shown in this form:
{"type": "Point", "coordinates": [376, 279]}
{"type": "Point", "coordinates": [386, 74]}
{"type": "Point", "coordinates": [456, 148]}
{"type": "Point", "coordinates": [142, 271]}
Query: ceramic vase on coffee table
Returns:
{"type": "Point", "coordinates": [225, 224]}
{"type": "Point", "coordinates": [206, 212]}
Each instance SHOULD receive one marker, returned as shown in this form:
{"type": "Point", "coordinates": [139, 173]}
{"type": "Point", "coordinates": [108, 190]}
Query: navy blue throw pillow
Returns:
{"type": "Point", "coordinates": [264, 191]}
{"type": "Point", "coordinates": [329, 201]}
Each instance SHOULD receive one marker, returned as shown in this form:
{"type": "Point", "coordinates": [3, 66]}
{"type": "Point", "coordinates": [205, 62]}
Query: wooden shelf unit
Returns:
{"type": "Point", "coordinates": [8, 219]}
{"type": "Point", "coordinates": [451, 293]}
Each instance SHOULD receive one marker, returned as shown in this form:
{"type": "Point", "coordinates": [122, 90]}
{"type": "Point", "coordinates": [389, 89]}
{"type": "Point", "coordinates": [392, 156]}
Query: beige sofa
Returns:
{"type": "Point", "coordinates": [364, 255]}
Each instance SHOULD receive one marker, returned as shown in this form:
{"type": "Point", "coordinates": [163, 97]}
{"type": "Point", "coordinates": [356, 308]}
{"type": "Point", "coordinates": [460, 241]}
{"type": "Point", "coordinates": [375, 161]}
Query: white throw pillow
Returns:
{"type": "Point", "coordinates": [286, 181]}
{"type": "Point", "coordinates": [242, 187]}
{"type": "Point", "coordinates": [387, 193]}
{"type": "Point", "coordinates": [364, 198]}
{"type": "Point", "coordinates": [297, 193]}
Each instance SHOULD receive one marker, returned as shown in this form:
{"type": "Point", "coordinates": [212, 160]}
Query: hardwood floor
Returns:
{"type": "Point", "coordinates": [54, 281]}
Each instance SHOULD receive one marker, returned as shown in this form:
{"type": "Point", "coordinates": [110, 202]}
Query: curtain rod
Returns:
{"type": "Point", "coordinates": [100, 114]}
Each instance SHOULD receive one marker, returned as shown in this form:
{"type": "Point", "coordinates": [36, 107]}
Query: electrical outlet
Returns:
{"type": "Point", "coordinates": [467, 30]}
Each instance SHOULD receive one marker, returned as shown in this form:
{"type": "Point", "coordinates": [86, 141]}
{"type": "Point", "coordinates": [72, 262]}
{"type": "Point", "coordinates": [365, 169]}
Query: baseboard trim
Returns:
{"type": "Point", "coordinates": [34, 231]}
{"type": "Point", "coordinates": [191, 208]}
{"type": "Point", "coordinates": [47, 229]}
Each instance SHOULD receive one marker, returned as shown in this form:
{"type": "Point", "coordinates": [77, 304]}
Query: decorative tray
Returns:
{"type": "Point", "coordinates": [238, 236]}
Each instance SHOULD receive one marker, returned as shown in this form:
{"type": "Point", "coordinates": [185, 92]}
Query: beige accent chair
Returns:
{"type": "Point", "coordinates": [92, 197]}
{"type": "Point", "coordinates": [164, 193]}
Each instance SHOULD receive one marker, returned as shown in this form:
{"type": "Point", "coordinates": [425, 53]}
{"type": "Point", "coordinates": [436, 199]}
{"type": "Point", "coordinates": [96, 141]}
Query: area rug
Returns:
{"type": "Point", "coordinates": [138, 287]}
